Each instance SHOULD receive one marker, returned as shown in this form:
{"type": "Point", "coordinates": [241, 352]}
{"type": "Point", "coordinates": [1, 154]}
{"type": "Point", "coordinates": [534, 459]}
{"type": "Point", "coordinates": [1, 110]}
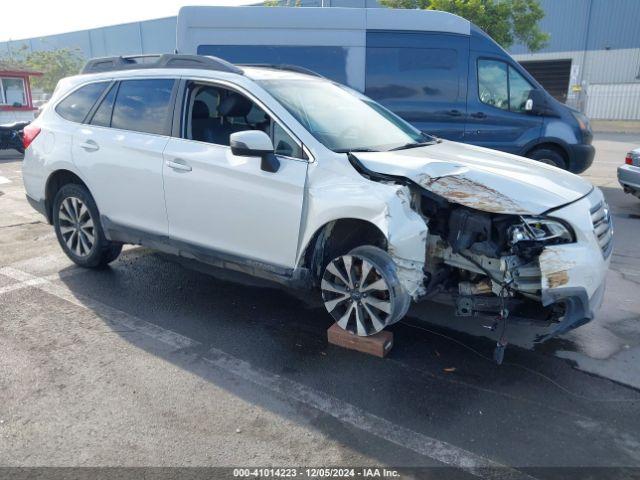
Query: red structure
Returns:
{"type": "Point", "coordinates": [15, 90]}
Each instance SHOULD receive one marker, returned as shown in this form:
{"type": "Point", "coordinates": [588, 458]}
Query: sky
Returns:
{"type": "Point", "coordinates": [45, 17]}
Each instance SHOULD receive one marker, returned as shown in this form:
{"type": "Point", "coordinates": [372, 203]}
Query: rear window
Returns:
{"type": "Point", "coordinates": [143, 106]}
{"type": "Point", "coordinates": [77, 105]}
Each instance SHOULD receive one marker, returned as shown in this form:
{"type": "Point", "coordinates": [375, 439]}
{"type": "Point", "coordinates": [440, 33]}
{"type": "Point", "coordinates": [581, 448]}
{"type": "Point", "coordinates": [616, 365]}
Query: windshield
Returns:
{"type": "Point", "coordinates": [341, 119]}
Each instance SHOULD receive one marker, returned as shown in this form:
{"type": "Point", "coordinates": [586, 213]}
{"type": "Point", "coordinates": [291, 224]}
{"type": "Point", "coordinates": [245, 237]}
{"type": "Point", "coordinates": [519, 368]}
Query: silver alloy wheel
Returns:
{"type": "Point", "coordinates": [357, 295]}
{"type": "Point", "coordinates": [76, 226]}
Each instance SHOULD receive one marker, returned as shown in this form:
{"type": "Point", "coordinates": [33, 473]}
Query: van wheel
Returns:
{"type": "Point", "coordinates": [76, 221]}
{"type": "Point", "coordinates": [361, 291]}
{"type": "Point", "coordinates": [549, 156]}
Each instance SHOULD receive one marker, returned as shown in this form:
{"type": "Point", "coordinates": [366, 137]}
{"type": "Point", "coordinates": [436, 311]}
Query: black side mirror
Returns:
{"type": "Point", "coordinates": [536, 104]}
{"type": "Point", "coordinates": [255, 143]}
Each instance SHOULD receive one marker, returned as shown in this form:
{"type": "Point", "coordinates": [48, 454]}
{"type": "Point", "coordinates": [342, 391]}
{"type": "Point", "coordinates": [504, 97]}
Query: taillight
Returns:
{"type": "Point", "coordinates": [29, 134]}
{"type": "Point", "coordinates": [628, 160]}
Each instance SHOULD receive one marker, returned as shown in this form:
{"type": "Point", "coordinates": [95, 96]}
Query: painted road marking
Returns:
{"type": "Point", "coordinates": [4, 180]}
{"type": "Point", "coordinates": [26, 280]}
{"type": "Point", "coordinates": [345, 412]}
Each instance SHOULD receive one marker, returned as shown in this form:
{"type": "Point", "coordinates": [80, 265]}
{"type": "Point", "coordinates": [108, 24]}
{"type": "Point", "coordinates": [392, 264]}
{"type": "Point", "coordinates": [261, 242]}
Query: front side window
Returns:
{"type": "Point", "coordinates": [13, 92]}
{"type": "Point", "coordinates": [502, 86]}
{"type": "Point", "coordinates": [77, 105]}
{"type": "Point", "coordinates": [519, 90]}
{"type": "Point", "coordinates": [493, 83]}
{"type": "Point", "coordinates": [143, 106]}
{"type": "Point", "coordinates": [340, 118]}
{"type": "Point", "coordinates": [214, 113]}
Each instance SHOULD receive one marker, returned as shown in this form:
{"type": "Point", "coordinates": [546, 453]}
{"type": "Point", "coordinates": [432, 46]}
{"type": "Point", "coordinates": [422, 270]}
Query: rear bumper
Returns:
{"type": "Point", "coordinates": [38, 205]}
{"type": "Point", "coordinates": [629, 178]}
{"type": "Point", "coordinates": [581, 157]}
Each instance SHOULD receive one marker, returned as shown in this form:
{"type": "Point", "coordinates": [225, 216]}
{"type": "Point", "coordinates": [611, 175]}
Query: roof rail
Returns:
{"type": "Point", "coordinates": [167, 60]}
{"type": "Point", "coordinates": [278, 66]}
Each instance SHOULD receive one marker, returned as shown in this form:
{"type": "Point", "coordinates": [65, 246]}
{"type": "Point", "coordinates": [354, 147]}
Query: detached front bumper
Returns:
{"type": "Point", "coordinates": [573, 275]}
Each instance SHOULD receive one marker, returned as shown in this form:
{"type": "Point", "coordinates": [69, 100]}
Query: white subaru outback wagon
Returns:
{"type": "Point", "coordinates": [282, 174]}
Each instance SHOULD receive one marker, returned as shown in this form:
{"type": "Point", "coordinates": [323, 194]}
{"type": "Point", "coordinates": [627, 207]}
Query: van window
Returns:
{"type": "Point", "coordinates": [428, 74]}
{"type": "Point", "coordinates": [143, 106]}
{"type": "Point", "coordinates": [330, 62]}
{"type": "Point", "coordinates": [214, 113]}
{"type": "Point", "coordinates": [76, 106]}
{"type": "Point", "coordinates": [102, 116]}
{"type": "Point", "coordinates": [493, 83]}
{"type": "Point", "coordinates": [519, 90]}
{"type": "Point", "coordinates": [502, 86]}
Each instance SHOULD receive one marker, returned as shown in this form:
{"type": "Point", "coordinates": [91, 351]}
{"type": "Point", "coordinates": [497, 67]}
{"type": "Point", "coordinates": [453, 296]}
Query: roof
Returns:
{"type": "Point", "coordinates": [308, 26]}
{"type": "Point", "coordinates": [15, 68]}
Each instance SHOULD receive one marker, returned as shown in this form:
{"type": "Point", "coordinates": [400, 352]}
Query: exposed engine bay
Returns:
{"type": "Point", "coordinates": [483, 263]}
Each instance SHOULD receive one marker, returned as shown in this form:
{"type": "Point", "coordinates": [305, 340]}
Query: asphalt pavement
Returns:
{"type": "Point", "coordinates": [150, 363]}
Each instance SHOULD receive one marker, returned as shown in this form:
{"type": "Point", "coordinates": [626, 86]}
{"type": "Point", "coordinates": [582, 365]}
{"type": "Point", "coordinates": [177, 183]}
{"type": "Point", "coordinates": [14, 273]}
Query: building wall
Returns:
{"type": "Point", "coordinates": [603, 43]}
{"type": "Point", "coordinates": [151, 36]}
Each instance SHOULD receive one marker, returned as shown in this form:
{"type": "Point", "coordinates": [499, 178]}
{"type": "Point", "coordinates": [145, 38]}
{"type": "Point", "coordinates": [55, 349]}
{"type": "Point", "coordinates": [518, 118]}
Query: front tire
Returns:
{"type": "Point", "coordinates": [361, 291]}
{"type": "Point", "coordinates": [550, 157]}
{"type": "Point", "coordinates": [76, 221]}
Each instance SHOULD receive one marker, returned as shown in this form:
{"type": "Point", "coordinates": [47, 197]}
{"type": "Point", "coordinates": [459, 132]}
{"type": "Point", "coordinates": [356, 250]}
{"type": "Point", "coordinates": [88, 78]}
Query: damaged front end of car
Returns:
{"type": "Point", "coordinates": [493, 259]}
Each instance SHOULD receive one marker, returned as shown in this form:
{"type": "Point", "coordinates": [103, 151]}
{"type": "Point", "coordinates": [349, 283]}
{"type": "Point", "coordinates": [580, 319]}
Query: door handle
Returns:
{"type": "Point", "coordinates": [178, 166]}
{"type": "Point", "coordinates": [479, 115]}
{"type": "Point", "coordinates": [90, 146]}
{"type": "Point", "coordinates": [454, 113]}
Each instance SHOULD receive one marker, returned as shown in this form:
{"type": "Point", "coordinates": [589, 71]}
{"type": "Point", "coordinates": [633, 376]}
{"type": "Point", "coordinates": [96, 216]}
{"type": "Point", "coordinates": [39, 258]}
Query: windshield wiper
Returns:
{"type": "Point", "coordinates": [412, 145]}
{"type": "Point", "coordinates": [350, 150]}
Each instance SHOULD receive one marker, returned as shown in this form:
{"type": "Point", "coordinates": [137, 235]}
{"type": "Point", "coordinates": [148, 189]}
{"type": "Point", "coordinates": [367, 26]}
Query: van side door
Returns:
{"type": "Point", "coordinates": [496, 103]}
{"type": "Point", "coordinates": [421, 77]}
{"type": "Point", "coordinates": [225, 206]}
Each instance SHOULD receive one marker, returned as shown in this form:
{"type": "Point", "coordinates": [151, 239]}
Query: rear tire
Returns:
{"type": "Point", "coordinates": [549, 156]}
{"type": "Point", "coordinates": [76, 220]}
{"type": "Point", "coordinates": [361, 291]}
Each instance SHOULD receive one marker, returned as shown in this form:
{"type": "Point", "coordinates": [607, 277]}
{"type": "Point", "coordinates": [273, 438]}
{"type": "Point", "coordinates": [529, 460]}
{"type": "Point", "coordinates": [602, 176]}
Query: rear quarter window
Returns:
{"type": "Point", "coordinates": [144, 106]}
{"type": "Point", "coordinates": [77, 105]}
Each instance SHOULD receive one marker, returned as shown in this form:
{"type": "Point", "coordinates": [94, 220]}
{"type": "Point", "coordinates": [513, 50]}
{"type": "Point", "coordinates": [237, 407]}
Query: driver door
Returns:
{"type": "Point", "coordinates": [496, 117]}
{"type": "Point", "coordinates": [225, 203]}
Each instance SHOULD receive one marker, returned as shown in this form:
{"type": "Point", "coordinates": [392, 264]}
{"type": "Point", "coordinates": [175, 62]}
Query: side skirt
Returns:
{"type": "Point", "coordinates": [291, 277]}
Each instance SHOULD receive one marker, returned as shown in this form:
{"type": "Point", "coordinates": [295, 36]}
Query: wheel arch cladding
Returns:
{"type": "Point", "coordinates": [339, 237]}
{"type": "Point", "coordinates": [55, 182]}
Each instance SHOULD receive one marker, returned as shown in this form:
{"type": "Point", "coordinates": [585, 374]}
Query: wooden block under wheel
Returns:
{"type": "Point", "coordinates": [379, 344]}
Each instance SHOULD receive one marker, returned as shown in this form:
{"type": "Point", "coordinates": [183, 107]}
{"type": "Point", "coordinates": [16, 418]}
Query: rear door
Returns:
{"type": "Point", "coordinates": [422, 77]}
{"type": "Point", "coordinates": [497, 117]}
{"type": "Point", "coordinates": [120, 147]}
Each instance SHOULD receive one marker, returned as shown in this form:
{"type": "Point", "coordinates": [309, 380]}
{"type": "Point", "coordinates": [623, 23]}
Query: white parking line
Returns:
{"type": "Point", "coordinates": [345, 412]}
{"type": "Point", "coordinates": [4, 180]}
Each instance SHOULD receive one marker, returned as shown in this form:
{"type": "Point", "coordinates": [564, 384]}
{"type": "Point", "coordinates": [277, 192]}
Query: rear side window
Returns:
{"type": "Point", "coordinates": [76, 106]}
{"type": "Point", "coordinates": [102, 117]}
{"type": "Point", "coordinates": [143, 106]}
{"type": "Point", "coordinates": [417, 74]}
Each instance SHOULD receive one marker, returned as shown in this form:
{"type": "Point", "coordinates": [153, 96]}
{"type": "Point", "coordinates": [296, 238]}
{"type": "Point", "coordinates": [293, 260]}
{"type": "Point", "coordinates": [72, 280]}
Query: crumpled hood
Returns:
{"type": "Point", "coordinates": [481, 178]}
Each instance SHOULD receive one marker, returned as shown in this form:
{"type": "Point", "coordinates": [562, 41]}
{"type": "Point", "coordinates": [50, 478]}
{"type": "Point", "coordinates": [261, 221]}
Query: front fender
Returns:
{"type": "Point", "coordinates": [386, 206]}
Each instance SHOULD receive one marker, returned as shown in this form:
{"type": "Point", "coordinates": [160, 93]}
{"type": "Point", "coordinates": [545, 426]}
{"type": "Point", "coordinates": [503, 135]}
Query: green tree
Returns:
{"type": "Point", "coordinates": [54, 64]}
{"type": "Point", "coordinates": [506, 21]}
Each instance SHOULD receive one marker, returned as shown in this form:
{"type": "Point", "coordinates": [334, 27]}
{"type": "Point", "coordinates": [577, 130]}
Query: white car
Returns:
{"type": "Point", "coordinates": [288, 176]}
